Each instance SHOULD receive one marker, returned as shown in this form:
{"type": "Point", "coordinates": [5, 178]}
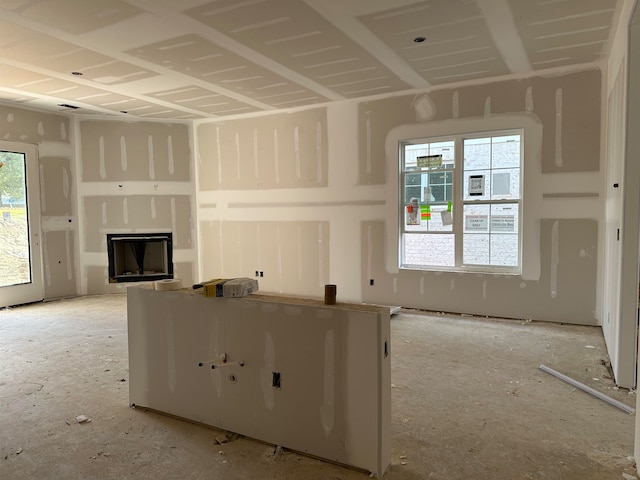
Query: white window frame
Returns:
{"type": "Point", "coordinates": [458, 204]}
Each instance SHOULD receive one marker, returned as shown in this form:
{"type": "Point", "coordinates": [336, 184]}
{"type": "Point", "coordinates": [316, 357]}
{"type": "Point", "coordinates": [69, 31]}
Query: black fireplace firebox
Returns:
{"type": "Point", "coordinates": [139, 257]}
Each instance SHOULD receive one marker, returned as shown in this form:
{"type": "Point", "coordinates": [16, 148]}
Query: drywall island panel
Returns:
{"type": "Point", "coordinates": [292, 372]}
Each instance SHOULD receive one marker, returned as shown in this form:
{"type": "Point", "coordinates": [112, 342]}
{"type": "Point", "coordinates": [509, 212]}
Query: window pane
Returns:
{"type": "Point", "coordinates": [440, 186]}
{"type": "Point", "coordinates": [504, 218]}
{"type": "Point", "coordinates": [428, 250]}
{"type": "Point", "coordinates": [413, 186]}
{"type": "Point", "coordinates": [491, 235]}
{"type": "Point", "coordinates": [477, 153]}
{"type": "Point", "coordinates": [446, 149]}
{"type": "Point", "coordinates": [505, 152]}
{"type": "Point", "coordinates": [476, 218]}
{"type": "Point", "coordinates": [476, 185]}
{"type": "Point", "coordinates": [475, 248]}
{"type": "Point", "coordinates": [431, 218]}
{"type": "Point", "coordinates": [505, 184]}
{"type": "Point", "coordinates": [504, 250]}
{"type": "Point", "coordinates": [413, 151]}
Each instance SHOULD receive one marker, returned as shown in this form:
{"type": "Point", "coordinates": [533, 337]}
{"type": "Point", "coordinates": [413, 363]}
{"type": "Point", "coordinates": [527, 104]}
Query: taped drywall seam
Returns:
{"type": "Point", "coordinates": [484, 290]}
{"type": "Point", "coordinates": [256, 163]}
{"type": "Point", "coordinates": [487, 107]}
{"type": "Point", "coordinates": [368, 159]}
{"type": "Point", "coordinates": [65, 182]}
{"type": "Point", "coordinates": [216, 338]}
{"type": "Point", "coordinates": [558, 153]}
{"type": "Point", "coordinates": [279, 250]}
{"type": "Point", "coordinates": [299, 251]}
{"type": "Point", "coordinates": [104, 213]}
{"type": "Point", "coordinates": [40, 129]}
{"type": "Point", "coordinates": [125, 211]}
{"type": "Point", "coordinates": [319, 175]}
{"type": "Point", "coordinates": [171, 356]}
{"type": "Point", "coordinates": [67, 239]}
{"type": "Point", "coordinates": [422, 284]}
{"type": "Point", "coordinates": [369, 252]}
{"type": "Point", "coordinates": [103, 169]}
{"type": "Point", "coordinates": [172, 166]}
{"type": "Point", "coordinates": [43, 197]}
{"type": "Point", "coordinates": [275, 155]}
{"type": "Point", "coordinates": [327, 409]}
{"type": "Point", "coordinates": [296, 150]}
{"type": "Point", "coordinates": [528, 100]}
{"type": "Point", "coordinates": [237, 140]}
{"type": "Point", "coordinates": [174, 222]}
{"type": "Point", "coordinates": [123, 153]}
{"type": "Point", "coordinates": [63, 131]}
{"type": "Point", "coordinates": [219, 153]}
{"type": "Point", "coordinates": [45, 255]}
{"type": "Point", "coordinates": [153, 208]}
{"type": "Point", "coordinates": [259, 246]}
{"type": "Point", "coordinates": [455, 105]}
{"type": "Point", "coordinates": [452, 284]}
{"type": "Point", "coordinates": [321, 280]}
{"type": "Point", "coordinates": [555, 259]}
{"type": "Point", "coordinates": [152, 166]}
{"type": "Point", "coordinates": [395, 285]}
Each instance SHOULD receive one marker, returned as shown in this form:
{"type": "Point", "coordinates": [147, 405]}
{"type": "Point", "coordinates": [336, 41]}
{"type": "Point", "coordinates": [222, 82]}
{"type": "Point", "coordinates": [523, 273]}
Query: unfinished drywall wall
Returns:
{"type": "Point", "coordinates": [58, 216]}
{"type": "Point", "coordinates": [562, 180]}
{"type": "Point", "coordinates": [290, 257]}
{"type": "Point", "coordinates": [288, 152]}
{"type": "Point", "coordinates": [553, 298]}
{"type": "Point", "coordinates": [119, 151]}
{"type": "Point", "coordinates": [358, 204]}
{"type": "Point", "coordinates": [568, 106]}
{"type": "Point", "coordinates": [136, 177]}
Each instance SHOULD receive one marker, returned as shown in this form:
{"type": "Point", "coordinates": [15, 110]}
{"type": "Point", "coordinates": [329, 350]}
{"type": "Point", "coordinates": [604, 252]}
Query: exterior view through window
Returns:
{"type": "Point", "coordinates": [461, 203]}
{"type": "Point", "coordinates": [14, 228]}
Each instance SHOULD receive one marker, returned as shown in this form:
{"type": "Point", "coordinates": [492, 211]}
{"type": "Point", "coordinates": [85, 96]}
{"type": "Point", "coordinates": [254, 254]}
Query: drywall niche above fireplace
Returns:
{"type": "Point", "coordinates": [139, 257]}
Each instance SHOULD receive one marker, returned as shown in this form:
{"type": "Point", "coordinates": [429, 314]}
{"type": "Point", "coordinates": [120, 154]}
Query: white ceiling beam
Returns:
{"type": "Point", "coordinates": [504, 32]}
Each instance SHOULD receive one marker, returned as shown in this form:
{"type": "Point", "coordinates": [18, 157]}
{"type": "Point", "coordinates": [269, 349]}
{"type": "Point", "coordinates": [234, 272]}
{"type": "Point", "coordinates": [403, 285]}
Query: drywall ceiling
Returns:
{"type": "Point", "coordinates": [198, 59]}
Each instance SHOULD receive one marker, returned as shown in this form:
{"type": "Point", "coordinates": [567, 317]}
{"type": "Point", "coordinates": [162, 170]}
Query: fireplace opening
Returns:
{"type": "Point", "coordinates": [139, 257]}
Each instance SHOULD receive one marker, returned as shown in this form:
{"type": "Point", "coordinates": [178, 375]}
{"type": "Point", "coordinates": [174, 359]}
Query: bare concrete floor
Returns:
{"type": "Point", "coordinates": [468, 401]}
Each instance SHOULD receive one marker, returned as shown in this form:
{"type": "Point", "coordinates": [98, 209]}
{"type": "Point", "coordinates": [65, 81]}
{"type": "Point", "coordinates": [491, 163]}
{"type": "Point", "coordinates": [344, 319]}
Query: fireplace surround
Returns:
{"type": "Point", "coordinates": [139, 257]}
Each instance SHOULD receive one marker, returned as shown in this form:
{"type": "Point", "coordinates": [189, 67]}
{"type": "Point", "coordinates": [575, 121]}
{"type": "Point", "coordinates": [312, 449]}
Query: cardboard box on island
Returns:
{"type": "Point", "coordinates": [229, 287]}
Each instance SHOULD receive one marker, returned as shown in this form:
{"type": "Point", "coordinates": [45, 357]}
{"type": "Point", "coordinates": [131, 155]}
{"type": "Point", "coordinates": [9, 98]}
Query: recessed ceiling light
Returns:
{"type": "Point", "coordinates": [77, 74]}
{"type": "Point", "coordinates": [419, 39]}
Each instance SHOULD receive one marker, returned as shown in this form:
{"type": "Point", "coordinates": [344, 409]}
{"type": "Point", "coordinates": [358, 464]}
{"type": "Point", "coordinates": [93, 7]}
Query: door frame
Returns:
{"type": "Point", "coordinates": [33, 291]}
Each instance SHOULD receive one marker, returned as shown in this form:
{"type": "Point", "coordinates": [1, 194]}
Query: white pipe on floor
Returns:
{"type": "Point", "coordinates": [588, 389]}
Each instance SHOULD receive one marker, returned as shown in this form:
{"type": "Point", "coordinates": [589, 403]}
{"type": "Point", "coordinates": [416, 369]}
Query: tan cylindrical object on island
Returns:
{"type": "Point", "coordinates": [330, 294]}
{"type": "Point", "coordinates": [168, 284]}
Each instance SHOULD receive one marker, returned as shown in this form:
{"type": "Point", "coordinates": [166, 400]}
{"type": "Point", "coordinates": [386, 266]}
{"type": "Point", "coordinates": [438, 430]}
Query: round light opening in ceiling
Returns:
{"type": "Point", "coordinates": [419, 39]}
{"type": "Point", "coordinates": [77, 74]}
